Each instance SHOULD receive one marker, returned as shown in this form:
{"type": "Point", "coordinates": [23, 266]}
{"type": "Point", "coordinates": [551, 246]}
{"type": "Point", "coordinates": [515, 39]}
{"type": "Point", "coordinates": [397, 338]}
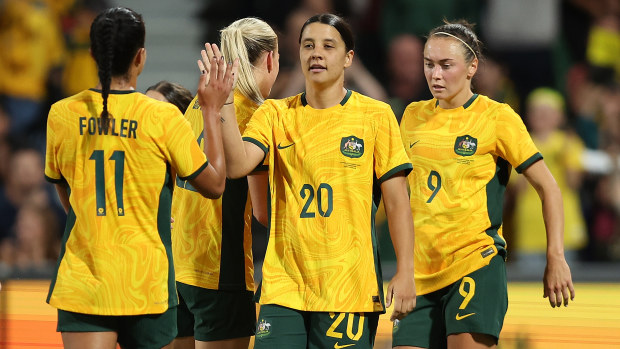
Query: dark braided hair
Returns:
{"type": "Point", "coordinates": [464, 31]}
{"type": "Point", "coordinates": [116, 35]}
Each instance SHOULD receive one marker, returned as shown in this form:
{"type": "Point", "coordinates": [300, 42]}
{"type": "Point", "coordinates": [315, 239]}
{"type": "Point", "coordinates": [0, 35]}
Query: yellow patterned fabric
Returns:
{"type": "Point", "coordinates": [462, 159]}
{"type": "Point", "coordinates": [116, 256]}
{"type": "Point", "coordinates": [322, 164]}
{"type": "Point", "coordinates": [212, 239]}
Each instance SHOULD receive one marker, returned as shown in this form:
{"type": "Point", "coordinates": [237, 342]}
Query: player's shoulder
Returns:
{"type": "Point", "coordinates": [80, 97]}
{"type": "Point", "coordinates": [281, 106]}
{"type": "Point", "coordinates": [153, 108]}
{"type": "Point", "coordinates": [420, 105]}
{"type": "Point", "coordinates": [493, 109]}
{"type": "Point", "coordinates": [359, 100]}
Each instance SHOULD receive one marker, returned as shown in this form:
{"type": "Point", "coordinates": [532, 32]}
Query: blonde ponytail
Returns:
{"type": "Point", "coordinates": [247, 39]}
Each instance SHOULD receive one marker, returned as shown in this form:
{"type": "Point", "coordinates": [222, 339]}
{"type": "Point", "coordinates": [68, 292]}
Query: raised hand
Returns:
{"type": "Point", "coordinates": [216, 78]}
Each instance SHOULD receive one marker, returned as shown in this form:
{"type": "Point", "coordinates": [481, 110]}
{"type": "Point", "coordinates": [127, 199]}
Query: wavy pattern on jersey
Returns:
{"type": "Point", "coordinates": [320, 252]}
{"type": "Point", "coordinates": [117, 264]}
{"type": "Point", "coordinates": [449, 191]}
{"type": "Point", "coordinates": [197, 233]}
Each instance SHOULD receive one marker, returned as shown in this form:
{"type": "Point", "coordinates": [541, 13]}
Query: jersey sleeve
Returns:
{"type": "Point", "coordinates": [389, 153]}
{"type": "Point", "coordinates": [184, 152]}
{"type": "Point", "coordinates": [260, 128]}
{"type": "Point", "coordinates": [513, 141]}
{"type": "Point", "coordinates": [52, 165]}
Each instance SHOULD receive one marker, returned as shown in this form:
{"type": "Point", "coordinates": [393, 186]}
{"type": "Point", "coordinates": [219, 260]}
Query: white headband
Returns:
{"type": "Point", "coordinates": [459, 39]}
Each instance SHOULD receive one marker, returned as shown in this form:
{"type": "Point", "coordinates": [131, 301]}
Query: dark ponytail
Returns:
{"type": "Point", "coordinates": [116, 35]}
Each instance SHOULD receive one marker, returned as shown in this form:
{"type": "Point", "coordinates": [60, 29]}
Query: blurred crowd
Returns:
{"type": "Point", "coordinates": [555, 62]}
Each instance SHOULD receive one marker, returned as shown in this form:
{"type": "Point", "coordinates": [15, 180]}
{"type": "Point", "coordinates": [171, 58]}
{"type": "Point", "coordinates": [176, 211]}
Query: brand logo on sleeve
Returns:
{"type": "Point", "coordinates": [465, 145]}
{"type": "Point", "coordinates": [352, 147]}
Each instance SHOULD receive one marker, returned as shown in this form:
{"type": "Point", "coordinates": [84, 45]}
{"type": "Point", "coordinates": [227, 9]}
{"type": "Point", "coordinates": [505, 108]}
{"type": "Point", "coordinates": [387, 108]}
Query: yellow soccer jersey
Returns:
{"type": "Point", "coordinates": [211, 239]}
{"type": "Point", "coordinates": [462, 159]}
{"type": "Point", "coordinates": [116, 255]}
{"type": "Point", "coordinates": [322, 251]}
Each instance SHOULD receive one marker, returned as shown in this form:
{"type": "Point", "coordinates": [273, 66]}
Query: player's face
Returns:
{"type": "Point", "coordinates": [323, 54]}
{"type": "Point", "coordinates": [447, 74]}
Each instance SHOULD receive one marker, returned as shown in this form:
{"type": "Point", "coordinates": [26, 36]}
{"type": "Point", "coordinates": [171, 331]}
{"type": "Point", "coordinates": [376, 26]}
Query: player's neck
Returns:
{"type": "Point", "coordinates": [323, 98]}
{"type": "Point", "coordinates": [121, 84]}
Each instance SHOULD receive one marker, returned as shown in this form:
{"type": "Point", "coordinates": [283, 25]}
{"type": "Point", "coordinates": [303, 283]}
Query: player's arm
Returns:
{"type": "Point", "coordinates": [557, 281]}
{"type": "Point", "coordinates": [400, 222]}
{"type": "Point", "coordinates": [212, 95]}
{"type": "Point", "coordinates": [258, 183]}
{"type": "Point", "coordinates": [63, 195]}
{"type": "Point", "coordinates": [241, 157]}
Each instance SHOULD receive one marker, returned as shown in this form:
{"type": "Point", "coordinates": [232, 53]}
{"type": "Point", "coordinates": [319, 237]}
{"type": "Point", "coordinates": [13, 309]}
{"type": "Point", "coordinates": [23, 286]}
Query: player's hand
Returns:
{"type": "Point", "coordinates": [557, 282]}
{"type": "Point", "coordinates": [216, 78]}
{"type": "Point", "coordinates": [401, 292]}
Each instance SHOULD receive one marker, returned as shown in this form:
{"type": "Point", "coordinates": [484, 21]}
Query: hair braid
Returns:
{"type": "Point", "coordinates": [107, 33]}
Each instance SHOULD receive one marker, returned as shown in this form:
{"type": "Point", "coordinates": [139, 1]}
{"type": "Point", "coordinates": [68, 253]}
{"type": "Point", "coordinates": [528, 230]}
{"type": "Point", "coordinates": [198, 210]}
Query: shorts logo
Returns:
{"type": "Point", "coordinates": [396, 326]}
{"type": "Point", "coordinates": [263, 329]}
{"type": "Point", "coordinates": [465, 145]}
{"type": "Point", "coordinates": [338, 346]}
{"type": "Point", "coordinates": [489, 251]}
{"type": "Point", "coordinates": [461, 317]}
{"type": "Point", "coordinates": [352, 147]}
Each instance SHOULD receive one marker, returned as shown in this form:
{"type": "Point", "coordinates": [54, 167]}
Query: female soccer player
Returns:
{"type": "Point", "coordinates": [110, 151]}
{"type": "Point", "coordinates": [462, 146]}
{"type": "Point", "coordinates": [326, 147]}
{"type": "Point", "coordinates": [212, 241]}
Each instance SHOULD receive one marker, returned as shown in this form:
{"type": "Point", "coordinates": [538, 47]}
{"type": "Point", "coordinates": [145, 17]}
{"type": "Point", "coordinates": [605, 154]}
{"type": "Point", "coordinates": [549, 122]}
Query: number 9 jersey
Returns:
{"type": "Point", "coordinates": [116, 255]}
{"type": "Point", "coordinates": [323, 163]}
{"type": "Point", "coordinates": [462, 159]}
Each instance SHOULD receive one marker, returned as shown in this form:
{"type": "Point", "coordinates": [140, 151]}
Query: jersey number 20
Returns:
{"type": "Point", "coordinates": [308, 191]}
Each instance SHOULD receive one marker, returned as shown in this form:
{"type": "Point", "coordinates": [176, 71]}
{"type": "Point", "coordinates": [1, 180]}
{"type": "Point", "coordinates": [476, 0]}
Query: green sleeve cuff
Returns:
{"type": "Point", "coordinates": [54, 180]}
{"type": "Point", "coordinates": [259, 144]}
{"type": "Point", "coordinates": [527, 163]}
{"type": "Point", "coordinates": [196, 173]}
{"type": "Point", "coordinates": [407, 167]}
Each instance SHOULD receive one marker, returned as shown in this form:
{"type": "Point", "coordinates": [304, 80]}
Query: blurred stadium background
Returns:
{"type": "Point", "coordinates": [570, 46]}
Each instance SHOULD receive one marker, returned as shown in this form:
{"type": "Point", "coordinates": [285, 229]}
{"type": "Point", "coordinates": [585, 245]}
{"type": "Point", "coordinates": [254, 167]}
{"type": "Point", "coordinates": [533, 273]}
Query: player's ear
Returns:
{"type": "Point", "coordinates": [348, 58]}
{"type": "Point", "coordinates": [270, 61]}
{"type": "Point", "coordinates": [473, 68]}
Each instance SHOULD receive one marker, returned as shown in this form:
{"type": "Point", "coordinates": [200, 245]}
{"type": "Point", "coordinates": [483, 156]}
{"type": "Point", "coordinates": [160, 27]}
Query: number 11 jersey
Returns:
{"type": "Point", "coordinates": [116, 256]}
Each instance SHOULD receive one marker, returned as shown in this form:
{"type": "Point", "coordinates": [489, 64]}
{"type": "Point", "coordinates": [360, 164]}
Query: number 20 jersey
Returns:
{"type": "Point", "coordinates": [116, 256]}
{"type": "Point", "coordinates": [462, 159]}
{"type": "Point", "coordinates": [322, 252]}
